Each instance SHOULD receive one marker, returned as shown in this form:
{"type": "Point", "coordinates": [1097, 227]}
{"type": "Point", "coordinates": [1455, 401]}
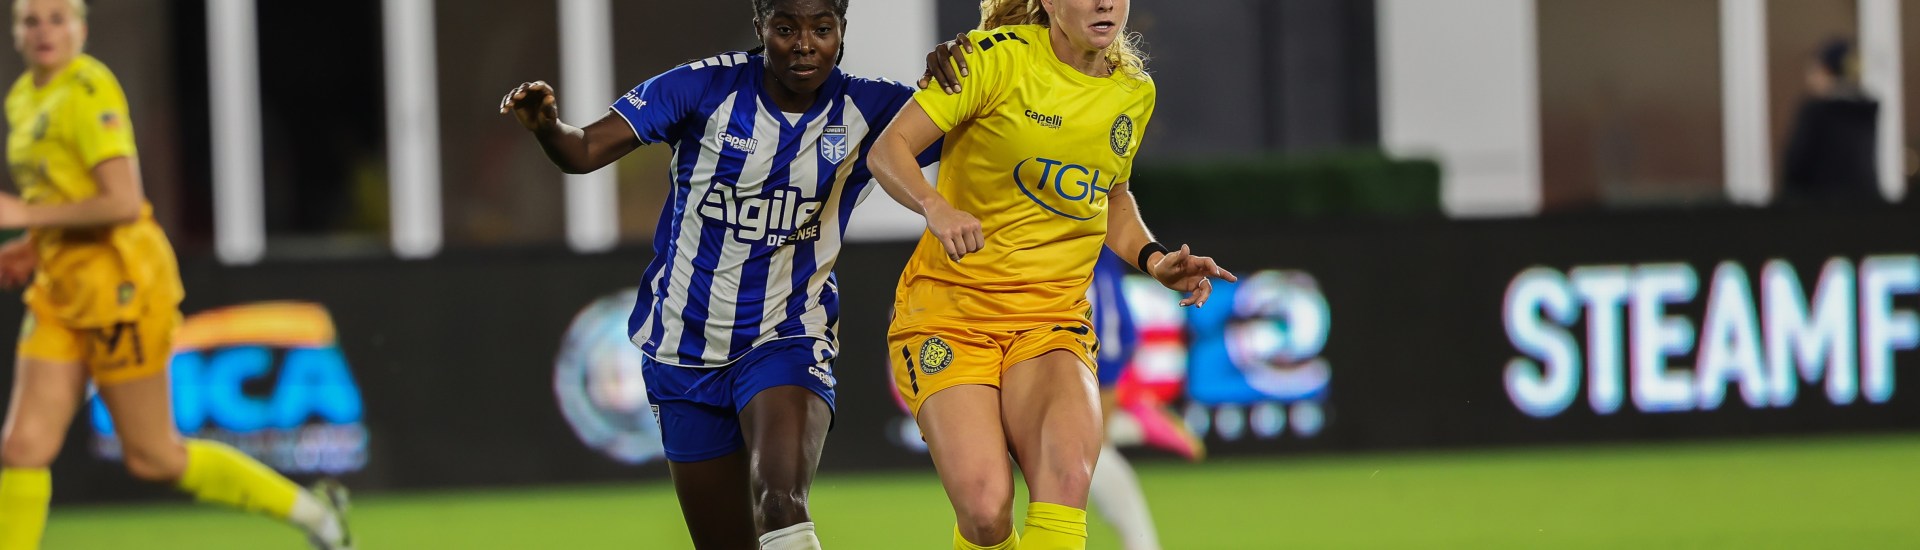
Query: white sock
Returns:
{"type": "Point", "coordinates": [310, 514]}
{"type": "Point", "coordinates": [798, 536]}
{"type": "Point", "coordinates": [1123, 430]}
{"type": "Point", "coordinates": [1116, 495]}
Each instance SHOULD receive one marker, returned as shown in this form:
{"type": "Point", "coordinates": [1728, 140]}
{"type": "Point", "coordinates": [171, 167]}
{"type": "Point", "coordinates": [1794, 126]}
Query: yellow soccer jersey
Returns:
{"type": "Point", "coordinates": [88, 277]}
{"type": "Point", "coordinates": [1032, 149]}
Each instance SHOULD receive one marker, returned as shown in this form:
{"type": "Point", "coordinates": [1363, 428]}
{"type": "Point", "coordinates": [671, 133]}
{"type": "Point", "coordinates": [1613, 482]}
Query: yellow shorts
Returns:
{"type": "Point", "coordinates": [116, 353]}
{"type": "Point", "coordinates": [930, 358]}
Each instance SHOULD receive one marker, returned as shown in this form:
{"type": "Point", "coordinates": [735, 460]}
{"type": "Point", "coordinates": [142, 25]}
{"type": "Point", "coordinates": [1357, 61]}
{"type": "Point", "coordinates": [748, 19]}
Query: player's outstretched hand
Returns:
{"type": "Point", "coordinates": [1181, 270]}
{"type": "Point", "coordinates": [533, 104]}
{"type": "Point", "coordinates": [938, 70]}
{"type": "Point", "coordinates": [958, 231]}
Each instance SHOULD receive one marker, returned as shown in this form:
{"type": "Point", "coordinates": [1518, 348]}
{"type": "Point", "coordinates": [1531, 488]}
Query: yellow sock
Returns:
{"type": "Point", "coordinates": [23, 507]}
{"type": "Point", "coordinates": [219, 474]}
{"type": "Point", "coordinates": [1055, 527]}
{"type": "Point", "coordinates": [961, 543]}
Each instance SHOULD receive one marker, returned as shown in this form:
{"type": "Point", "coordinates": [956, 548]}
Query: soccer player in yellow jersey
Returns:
{"type": "Point", "coordinates": [104, 297]}
{"type": "Point", "coordinates": [991, 331]}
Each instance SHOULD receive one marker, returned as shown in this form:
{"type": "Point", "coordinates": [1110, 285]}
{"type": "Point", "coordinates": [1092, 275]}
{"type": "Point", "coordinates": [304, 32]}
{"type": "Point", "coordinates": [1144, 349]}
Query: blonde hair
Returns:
{"type": "Point", "coordinates": [79, 8]}
{"type": "Point", "coordinates": [1124, 53]}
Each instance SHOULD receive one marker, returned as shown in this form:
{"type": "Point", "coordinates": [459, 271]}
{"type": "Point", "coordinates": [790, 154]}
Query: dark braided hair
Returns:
{"type": "Point", "coordinates": [763, 10]}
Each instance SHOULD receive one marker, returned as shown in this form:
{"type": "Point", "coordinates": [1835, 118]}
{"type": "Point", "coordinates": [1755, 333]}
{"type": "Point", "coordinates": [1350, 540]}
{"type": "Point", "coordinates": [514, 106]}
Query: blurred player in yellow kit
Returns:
{"type": "Point", "coordinates": [103, 298]}
{"type": "Point", "coordinates": [991, 335]}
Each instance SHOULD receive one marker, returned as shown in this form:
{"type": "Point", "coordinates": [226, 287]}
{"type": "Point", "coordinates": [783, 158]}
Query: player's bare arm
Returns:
{"type": "Point", "coordinates": [1181, 270]}
{"type": "Point", "coordinates": [118, 202]}
{"type": "Point", "coordinates": [575, 150]}
{"type": "Point", "coordinates": [894, 165]}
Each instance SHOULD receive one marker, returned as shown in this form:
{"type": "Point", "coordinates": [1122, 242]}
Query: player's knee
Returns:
{"type": "Point", "coordinates": [156, 463]}
{"type": "Point", "coordinates": [986, 528]}
{"type": "Point", "coordinates": [25, 449]}
{"type": "Point", "coordinates": [985, 515]}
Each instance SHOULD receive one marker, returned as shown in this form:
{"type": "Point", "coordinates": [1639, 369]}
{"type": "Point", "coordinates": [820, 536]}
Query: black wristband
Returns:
{"type": "Point", "coordinates": [1147, 252]}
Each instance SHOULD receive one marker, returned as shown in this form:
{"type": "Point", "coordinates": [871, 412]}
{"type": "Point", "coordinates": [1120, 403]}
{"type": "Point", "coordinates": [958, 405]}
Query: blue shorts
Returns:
{"type": "Point", "coordinates": [699, 409]}
{"type": "Point", "coordinates": [1110, 370]}
{"type": "Point", "coordinates": [1112, 317]}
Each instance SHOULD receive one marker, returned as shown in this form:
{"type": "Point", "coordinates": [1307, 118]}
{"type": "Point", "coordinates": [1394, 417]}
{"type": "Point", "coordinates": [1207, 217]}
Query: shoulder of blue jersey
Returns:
{"type": "Point", "coordinates": [694, 76]}
{"type": "Point", "coordinates": [710, 68]}
{"type": "Point", "coordinates": [860, 85]}
{"type": "Point", "coordinates": [729, 59]}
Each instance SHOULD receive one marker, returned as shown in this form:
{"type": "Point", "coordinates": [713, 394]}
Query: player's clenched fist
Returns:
{"type": "Point", "coordinates": [958, 231]}
{"type": "Point", "coordinates": [533, 104]}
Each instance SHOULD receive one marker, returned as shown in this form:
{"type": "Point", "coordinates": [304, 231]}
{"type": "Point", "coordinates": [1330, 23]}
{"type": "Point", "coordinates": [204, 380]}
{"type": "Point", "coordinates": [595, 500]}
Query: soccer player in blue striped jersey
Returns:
{"type": "Point", "coordinates": [738, 310]}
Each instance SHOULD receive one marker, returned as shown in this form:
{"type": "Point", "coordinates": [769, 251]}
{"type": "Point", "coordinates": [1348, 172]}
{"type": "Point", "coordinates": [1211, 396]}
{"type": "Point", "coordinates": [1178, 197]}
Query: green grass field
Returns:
{"type": "Point", "coordinates": [1861, 492]}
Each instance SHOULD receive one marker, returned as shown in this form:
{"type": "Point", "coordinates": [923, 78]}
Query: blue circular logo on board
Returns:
{"type": "Point", "coordinates": [597, 380]}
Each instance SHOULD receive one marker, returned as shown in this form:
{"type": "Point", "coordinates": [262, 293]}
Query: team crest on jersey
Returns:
{"type": "Point", "coordinates": [1122, 136]}
{"type": "Point", "coordinates": [40, 127]}
{"type": "Point", "coordinates": [935, 355]}
{"type": "Point", "coordinates": [833, 144]}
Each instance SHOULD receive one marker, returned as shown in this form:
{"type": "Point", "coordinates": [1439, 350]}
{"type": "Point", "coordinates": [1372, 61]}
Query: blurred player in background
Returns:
{"type": "Point", "coordinates": [738, 310]}
{"type": "Point", "coordinates": [104, 298]}
{"type": "Point", "coordinates": [1115, 489]}
{"type": "Point", "coordinates": [996, 351]}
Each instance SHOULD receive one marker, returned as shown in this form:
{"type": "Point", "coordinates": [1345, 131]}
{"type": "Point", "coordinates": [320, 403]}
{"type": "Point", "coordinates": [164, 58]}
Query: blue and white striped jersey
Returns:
{"type": "Point", "coordinates": [745, 248]}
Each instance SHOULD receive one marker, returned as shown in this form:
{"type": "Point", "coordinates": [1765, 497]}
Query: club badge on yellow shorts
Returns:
{"type": "Point", "coordinates": [935, 355]}
{"type": "Point", "coordinates": [931, 358]}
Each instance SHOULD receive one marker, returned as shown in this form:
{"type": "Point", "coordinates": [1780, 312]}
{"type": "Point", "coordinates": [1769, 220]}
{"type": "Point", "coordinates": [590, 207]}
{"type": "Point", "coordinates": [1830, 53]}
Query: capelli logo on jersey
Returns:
{"type": "Point", "coordinates": [1048, 121]}
{"type": "Point", "coordinates": [744, 145]}
{"type": "Point", "coordinates": [1066, 189]}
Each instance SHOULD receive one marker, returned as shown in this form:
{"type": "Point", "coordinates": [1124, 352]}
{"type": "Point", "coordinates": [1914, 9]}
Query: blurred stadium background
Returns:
{"type": "Point", "coordinates": [1520, 274]}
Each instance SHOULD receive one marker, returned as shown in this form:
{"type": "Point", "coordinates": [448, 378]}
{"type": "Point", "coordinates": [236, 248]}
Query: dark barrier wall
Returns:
{"type": "Point", "coordinates": [1436, 336]}
{"type": "Point", "coordinates": [1375, 336]}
